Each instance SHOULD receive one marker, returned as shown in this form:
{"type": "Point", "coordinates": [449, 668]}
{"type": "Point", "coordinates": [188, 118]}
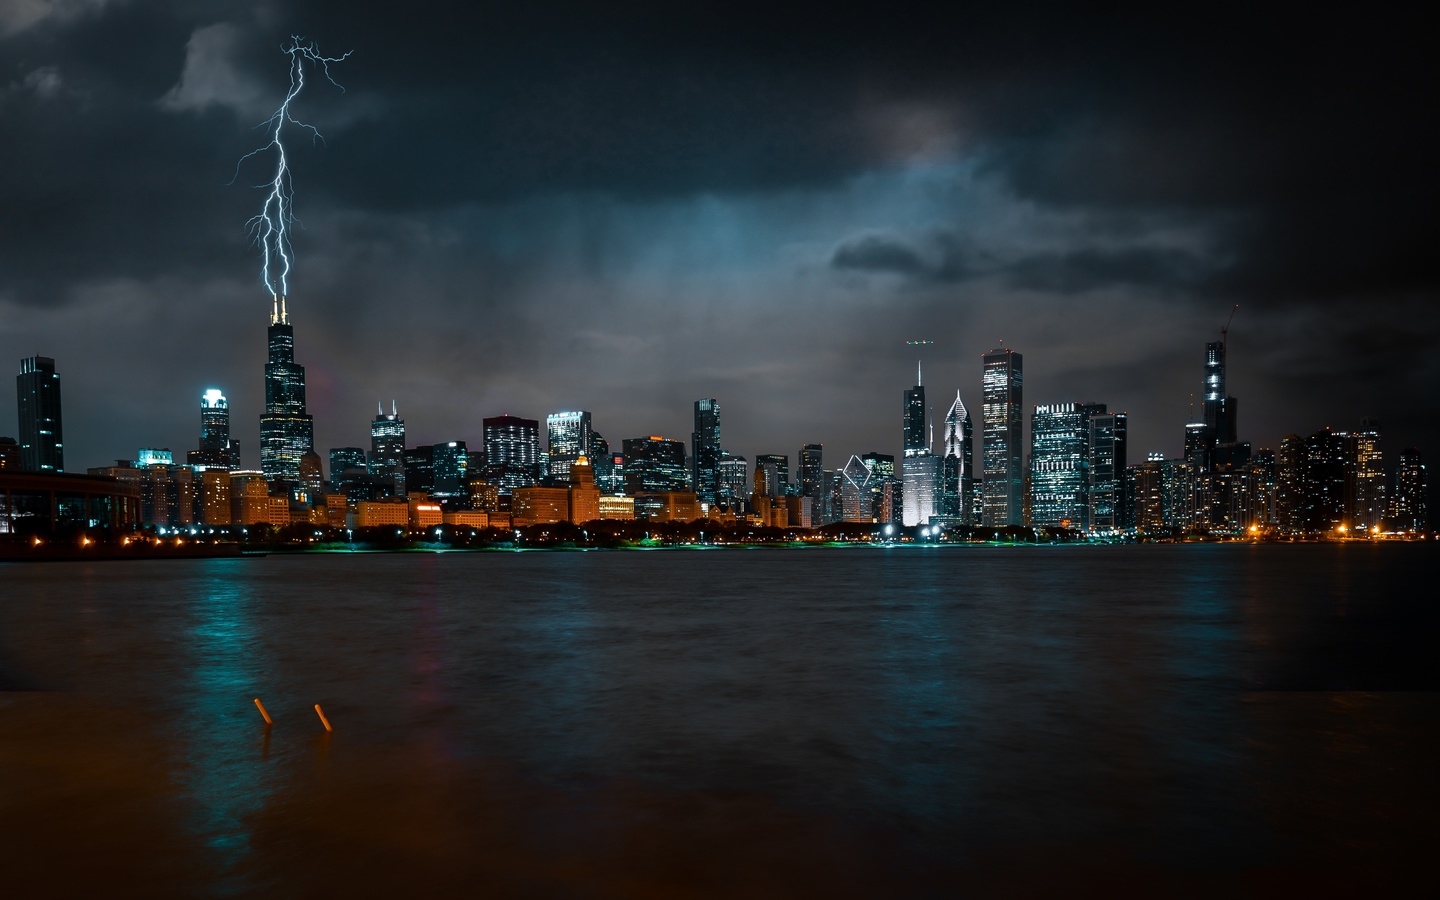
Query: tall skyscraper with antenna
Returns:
{"type": "Point", "coordinates": [387, 448]}
{"type": "Point", "coordinates": [286, 430]}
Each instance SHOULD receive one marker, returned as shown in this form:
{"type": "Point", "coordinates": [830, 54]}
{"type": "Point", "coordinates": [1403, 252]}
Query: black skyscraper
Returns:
{"type": "Point", "coordinates": [917, 437]}
{"type": "Point", "coordinates": [42, 442]}
{"type": "Point", "coordinates": [286, 431]}
{"type": "Point", "coordinates": [705, 441]}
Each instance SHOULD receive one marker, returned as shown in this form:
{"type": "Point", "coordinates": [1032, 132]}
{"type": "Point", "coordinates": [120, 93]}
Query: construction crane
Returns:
{"type": "Point", "coordinates": [1225, 329]}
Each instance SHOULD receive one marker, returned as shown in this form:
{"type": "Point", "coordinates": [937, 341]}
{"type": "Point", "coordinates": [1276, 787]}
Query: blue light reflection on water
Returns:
{"type": "Point", "coordinates": [958, 697]}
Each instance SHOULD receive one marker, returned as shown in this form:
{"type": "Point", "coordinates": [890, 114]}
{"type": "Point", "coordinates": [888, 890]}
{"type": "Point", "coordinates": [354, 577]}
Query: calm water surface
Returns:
{"type": "Point", "coordinates": [1253, 720]}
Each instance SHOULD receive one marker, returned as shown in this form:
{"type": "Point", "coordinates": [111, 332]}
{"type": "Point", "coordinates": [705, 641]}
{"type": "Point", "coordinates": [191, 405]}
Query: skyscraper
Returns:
{"type": "Point", "coordinates": [1106, 491]}
{"type": "Point", "coordinates": [705, 445]}
{"type": "Point", "coordinates": [1369, 476]}
{"type": "Point", "coordinates": [916, 436]}
{"type": "Point", "coordinates": [957, 471]}
{"type": "Point", "coordinates": [1409, 512]}
{"type": "Point", "coordinates": [811, 466]}
{"type": "Point", "coordinates": [42, 441]}
{"type": "Point", "coordinates": [347, 466]}
{"type": "Point", "coordinates": [654, 464]}
{"type": "Point", "coordinates": [387, 449]}
{"type": "Point", "coordinates": [450, 463]}
{"type": "Point", "coordinates": [286, 431]}
{"type": "Point", "coordinates": [512, 452]}
{"type": "Point", "coordinates": [216, 451]}
{"type": "Point", "coordinates": [1219, 409]}
{"type": "Point", "coordinates": [569, 434]}
{"type": "Point", "coordinates": [781, 464]}
{"type": "Point", "coordinates": [1002, 449]}
{"type": "Point", "coordinates": [731, 481]}
{"type": "Point", "coordinates": [1060, 464]}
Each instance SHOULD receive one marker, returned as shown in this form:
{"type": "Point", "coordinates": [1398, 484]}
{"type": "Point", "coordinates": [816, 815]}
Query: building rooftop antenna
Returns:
{"type": "Point", "coordinates": [1225, 329]}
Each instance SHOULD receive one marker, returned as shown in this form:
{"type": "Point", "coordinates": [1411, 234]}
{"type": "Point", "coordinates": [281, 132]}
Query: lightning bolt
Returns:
{"type": "Point", "coordinates": [270, 229]}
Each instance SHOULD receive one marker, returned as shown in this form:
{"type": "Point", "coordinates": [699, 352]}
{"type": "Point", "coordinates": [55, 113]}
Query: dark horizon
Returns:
{"type": "Point", "coordinates": [626, 213]}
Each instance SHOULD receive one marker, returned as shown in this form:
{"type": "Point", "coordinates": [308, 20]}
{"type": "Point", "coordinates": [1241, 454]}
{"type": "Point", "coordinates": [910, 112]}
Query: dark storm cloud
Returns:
{"type": "Point", "coordinates": [757, 181]}
{"type": "Point", "coordinates": [933, 257]}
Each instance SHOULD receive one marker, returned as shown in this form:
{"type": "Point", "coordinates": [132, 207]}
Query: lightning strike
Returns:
{"type": "Point", "coordinates": [270, 229]}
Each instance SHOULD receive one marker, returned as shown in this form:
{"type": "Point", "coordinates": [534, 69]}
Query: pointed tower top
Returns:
{"type": "Point", "coordinates": [394, 409]}
{"type": "Point", "coordinates": [379, 410]}
{"type": "Point", "coordinates": [274, 309]}
{"type": "Point", "coordinates": [918, 381]}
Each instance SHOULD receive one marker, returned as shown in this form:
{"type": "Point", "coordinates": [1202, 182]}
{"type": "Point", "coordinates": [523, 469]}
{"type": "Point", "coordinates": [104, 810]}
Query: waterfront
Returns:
{"type": "Point", "coordinates": [834, 721]}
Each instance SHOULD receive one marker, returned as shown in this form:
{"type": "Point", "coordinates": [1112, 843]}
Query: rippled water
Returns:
{"type": "Point", "coordinates": [859, 722]}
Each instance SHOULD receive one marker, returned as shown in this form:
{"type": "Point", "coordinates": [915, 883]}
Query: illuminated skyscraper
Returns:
{"type": "Point", "coordinates": [705, 445]}
{"type": "Point", "coordinates": [1219, 408]}
{"type": "Point", "coordinates": [780, 464]}
{"type": "Point", "coordinates": [347, 467]}
{"type": "Point", "coordinates": [570, 436]}
{"type": "Point", "coordinates": [957, 471]}
{"type": "Point", "coordinates": [1001, 440]}
{"type": "Point", "coordinates": [216, 451]}
{"type": "Point", "coordinates": [655, 464]}
{"type": "Point", "coordinates": [1060, 464]}
{"type": "Point", "coordinates": [387, 449]}
{"type": "Point", "coordinates": [811, 466]}
{"type": "Point", "coordinates": [42, 441]}
{"type": "Point", "coordinates": [732, 480]}
{"type": "Point", "coordinates": [286, 431]}
{"type": "Point", "coordinates": [450, 463]}
{"type": "Point", "coordinates": [1106, 491]}
{"type": "Point", "coordinates": [512, 452]}
{"type": "Point", "coordinates": [1409, 512]}
{"type": "Point", "coordinates": [916, 430]}
{"type": "Point", "coordinates": [1369, 476]}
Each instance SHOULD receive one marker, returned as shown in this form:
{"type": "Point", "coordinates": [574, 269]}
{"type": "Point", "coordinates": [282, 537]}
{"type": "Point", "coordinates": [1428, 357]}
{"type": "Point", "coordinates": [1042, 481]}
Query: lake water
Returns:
{"type": "Point", "coordinates": [1128, 720]}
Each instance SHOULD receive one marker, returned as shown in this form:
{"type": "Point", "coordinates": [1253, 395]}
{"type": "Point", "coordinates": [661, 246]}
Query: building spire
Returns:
{"type": "Point", "coordinates": [284, 317]}
{"type": "Point", "coordinates": [394, 409]}
{"type": "Point", "coordinates": [379, 409]}
{"type": "Point", "coordinates": [274, 309]}
{"type": "Point", "coordinates": [918, 382]}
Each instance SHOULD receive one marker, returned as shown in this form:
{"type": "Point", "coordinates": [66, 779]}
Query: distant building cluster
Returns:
{"type": "Point", "coordinates": [1075, 474]}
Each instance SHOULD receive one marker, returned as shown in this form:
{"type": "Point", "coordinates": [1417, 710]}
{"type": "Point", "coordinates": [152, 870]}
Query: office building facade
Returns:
{"type": "Point", "coordinates": [42, 438]}
{"type": "Point", "coordinates": [1001, 448]}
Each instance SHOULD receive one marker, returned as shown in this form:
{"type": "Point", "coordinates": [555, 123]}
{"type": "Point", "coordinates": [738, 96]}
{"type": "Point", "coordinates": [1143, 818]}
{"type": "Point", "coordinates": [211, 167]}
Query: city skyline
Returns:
{"type": "Point", "coordinates": [783, 283]}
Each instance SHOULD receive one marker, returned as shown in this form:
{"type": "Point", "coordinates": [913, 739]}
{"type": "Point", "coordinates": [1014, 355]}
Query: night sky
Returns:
{"type": "Point", "coordinates": [624, 209]}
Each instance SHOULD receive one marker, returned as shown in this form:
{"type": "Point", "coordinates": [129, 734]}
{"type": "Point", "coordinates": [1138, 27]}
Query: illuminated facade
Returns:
{"type": "Point", "coordinates": [538, 505]}
{"type": "Point", "coordinates": [778, 465]}
{"type": "Point", "coordinates": [584, 495]}
{"type": "Point", "coordinates": [1409, 513]}
{"type": "Point", "coordinates": [348, 465]}
{"type": "Point", "coordinates": [1109, 506]}
{"type": "Point", "coordinates": [570, 438]}
{"type": "Point", "coordinates": [387, 449]}
{"type": "Point", "coordinates": [915, 432]}
{"type": "Point", "coordinates": [655, 464]}
{"type": "Point", "coordinates": [42, 440]}
{"type": "Point", "coordinates": [512, 452]}
{"type": "Point", "coordinates": [957, 467]}
{"type": "Point", "coordinates": [882, 486]}
{"type": "Point", "coordinates": [217, 450]}
{"type": "Point", "coordinates": [312, 476]}
{"type": "Point", "coordinates": [1060, 464]}
{"type": "Point", "coordinates": [1369, 477]}
{"type": "Point", "coordinates": [620, 508]}
{"type": "Point", "coordinates": [705, 445]}
{"type": "Point", "coordinates": [733, 478]}
{"type": "Point", "coordinates": [450, 463]}
{"type": "Point", "coordinates": [1001, 447]}
{"type": "Point", "coordinates": [810, 465]}
{"type": "Point", "coordinates": [286, 430]}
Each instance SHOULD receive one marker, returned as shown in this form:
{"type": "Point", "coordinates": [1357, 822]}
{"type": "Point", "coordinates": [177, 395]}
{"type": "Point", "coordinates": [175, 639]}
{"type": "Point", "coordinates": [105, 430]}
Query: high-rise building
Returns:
{"type": "Point", "coordinates": [286, 430]}
{"type": "Point", "coordinates": [916, 428]}
{"type": "Point", "coordinates": [957, 470]}
{"type": "Point", "coordinates": [1326, 473]}
{"type": "Point", "coordinates": [312, 477]}
{"type": "Point", "coordinates": [217, 450]}
{"type": "Point", "coordinates": [347, 466]}
{"type": "Point", "coordinates": [1289, 485]}
{"type": "Point", "coordinates": [1001, 440]}
{"type": "Point", "coordinates": [654, 464]}
{"type": "Point", "coordinates": [570, 438]}
{"type": "Point", "coordinates": [1369, 510]}
{"type": "Point", "coordinates": [885, 495]}
{"type": "Point", "coordinates": [1060, 464]}
{"type": "Point", "coordinates": [810, 463]}
{"type": "Point", "coordinates": [9, 454]}
{"type": "Point", "coordinates": [1219, 408]}
{"type": "Point", "coordinates": [780, 463]}
{"type": "Point", "coordinates": [705, 446]}
{"type": "Point", "coordinates": [512, 452]}
{"type": "Point", "coordinates": [387, 449]}
{"type": "Point", "coordinates": [420, 469]}
{"type": "Point", "coordinates": [731, 481]}
{"type": "Point", "coordinates": [1148, 489]}
{"type": "Point", "coordinates": [42, 441]}
{"type": "Point", "coordinates": [857, 495]}
{"type": "Point", "coordinates": [450, 464]}
{"type": "Point", "coordinates": [1409, 513]}
{"type": "Point", "coordinates": [1106, 491]}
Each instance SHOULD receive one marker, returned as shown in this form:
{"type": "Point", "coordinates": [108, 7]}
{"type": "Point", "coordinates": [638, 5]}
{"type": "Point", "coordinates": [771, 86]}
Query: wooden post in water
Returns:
{"type": "Point", "coordinates": [323, 721]}
{"type": "Point", "coordinates": [260, 706]}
